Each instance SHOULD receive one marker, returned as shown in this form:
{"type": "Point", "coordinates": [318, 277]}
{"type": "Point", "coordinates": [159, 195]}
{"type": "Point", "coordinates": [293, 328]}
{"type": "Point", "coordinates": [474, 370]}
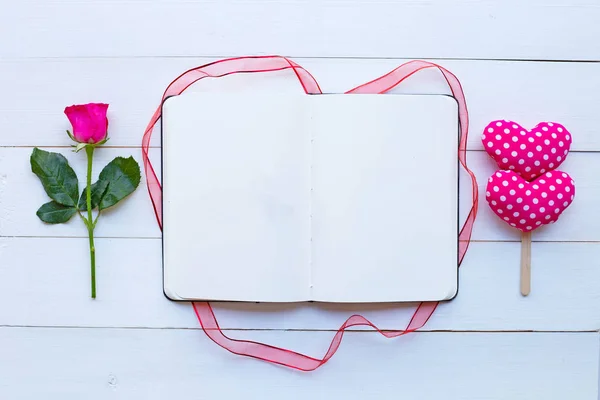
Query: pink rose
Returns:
{"type": "Point", "coordinates": [89, 121]}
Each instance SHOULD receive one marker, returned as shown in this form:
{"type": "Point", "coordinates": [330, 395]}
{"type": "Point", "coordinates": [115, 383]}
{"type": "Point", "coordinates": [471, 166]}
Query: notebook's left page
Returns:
{"type": "Point", "coordinates": [236, 197]}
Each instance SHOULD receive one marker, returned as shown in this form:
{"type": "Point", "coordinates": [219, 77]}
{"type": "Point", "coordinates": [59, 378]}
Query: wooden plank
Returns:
{"type": "Point", "coordinates": [599, 370]}
{"type": "Point", "coordinates": [46, 282]}
{"type": "Point", "coordinates": [527, 92]}
{"type": "Point", "coordinates": [158, 364]}
{"type": "Point", "coordinates": [21, 194]}
{"type": "Point", "coordinates": [135, 216]}
{"type": "Point", "coordinates": [443, 29]}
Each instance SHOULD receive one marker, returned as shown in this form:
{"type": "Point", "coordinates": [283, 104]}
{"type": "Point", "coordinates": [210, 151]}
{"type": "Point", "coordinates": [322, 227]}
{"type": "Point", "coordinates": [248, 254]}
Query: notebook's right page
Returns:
{"type": "Point", "coordinates": [384, 198]}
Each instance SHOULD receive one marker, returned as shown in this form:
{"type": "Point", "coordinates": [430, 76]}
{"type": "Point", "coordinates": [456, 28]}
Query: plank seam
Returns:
{"type": "Point", "coordinates": [300, 57]}
{"type": "Point", "coordinates": [458, 331]}
{"type": "Point", "coordinates": [159, 238]}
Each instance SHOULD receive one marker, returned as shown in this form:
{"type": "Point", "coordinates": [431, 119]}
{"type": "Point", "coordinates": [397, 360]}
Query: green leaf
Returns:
{"type": "Point", "coordinates": [102, 141]}
{"type": "Point", "coordinates": [123, 177]}
{"type": "Point", "coordinates": [98, 190]}
{"type": "Point", "coordinates": [71, 135]}
{"type": "Point", "coordinates": [54, 213]}
{"type": "Point", "coordinates": [57, 176]}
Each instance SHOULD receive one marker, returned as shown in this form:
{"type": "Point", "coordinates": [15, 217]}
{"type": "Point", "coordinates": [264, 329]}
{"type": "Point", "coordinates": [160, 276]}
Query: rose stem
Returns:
{"type": "Point", "coordinates": [90, 225]}
{"type": "Point", "coordinates": [525, 263]}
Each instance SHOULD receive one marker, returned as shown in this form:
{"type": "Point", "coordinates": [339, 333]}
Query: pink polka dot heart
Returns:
{"type": "Point", "coordinates": [528, 153]}
{"type": "Point", "coordinates": [529, 205]}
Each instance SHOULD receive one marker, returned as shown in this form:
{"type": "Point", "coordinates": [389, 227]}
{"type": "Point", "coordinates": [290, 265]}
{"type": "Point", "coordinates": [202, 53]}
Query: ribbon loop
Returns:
{"type": "Point", "coordinates": [383, 84]}
{"type": "Point", "coordinates": [216, 69]}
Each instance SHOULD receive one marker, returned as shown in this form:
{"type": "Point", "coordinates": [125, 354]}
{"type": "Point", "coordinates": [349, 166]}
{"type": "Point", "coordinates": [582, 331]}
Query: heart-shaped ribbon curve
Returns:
{"type": "Point", "coordinates": [528, 153]}
{"type": "Point", "coordinates": [528, 205]}
{"type": "Point", "coordinates": [260, 64]}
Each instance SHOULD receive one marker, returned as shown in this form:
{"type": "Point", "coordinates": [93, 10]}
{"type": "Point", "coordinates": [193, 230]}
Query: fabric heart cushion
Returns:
{"type": "Point", "coordinates": [528, 205]}
{"type": "Point", "coordinates": [528, 153]}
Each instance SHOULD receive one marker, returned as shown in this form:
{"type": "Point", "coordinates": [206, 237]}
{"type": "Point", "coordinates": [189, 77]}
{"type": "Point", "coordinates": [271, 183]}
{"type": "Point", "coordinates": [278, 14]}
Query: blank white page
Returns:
{"type": "Point", "coordinates": [236, 192]}
{"type": "Point", "coordinates": [384, 198]}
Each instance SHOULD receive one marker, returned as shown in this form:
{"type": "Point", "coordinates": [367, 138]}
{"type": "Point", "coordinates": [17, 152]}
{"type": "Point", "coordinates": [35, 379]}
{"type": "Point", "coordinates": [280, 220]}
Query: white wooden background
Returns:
{"type": "Point", "coordinates": [523, 60]}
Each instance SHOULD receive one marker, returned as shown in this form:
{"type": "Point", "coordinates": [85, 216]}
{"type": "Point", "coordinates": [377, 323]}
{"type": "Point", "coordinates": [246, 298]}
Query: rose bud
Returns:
{"type": "Point", "coordinates": [89, 121]}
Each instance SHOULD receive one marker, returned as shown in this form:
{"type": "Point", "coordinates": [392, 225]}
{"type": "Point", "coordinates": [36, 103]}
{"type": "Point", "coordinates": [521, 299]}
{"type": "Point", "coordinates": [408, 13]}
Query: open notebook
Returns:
{"type": "Point", "coordinates": [332, 198]}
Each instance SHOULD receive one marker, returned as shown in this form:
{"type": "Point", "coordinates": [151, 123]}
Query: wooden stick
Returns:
{"type": "Point", "coordinates": [525, 263]}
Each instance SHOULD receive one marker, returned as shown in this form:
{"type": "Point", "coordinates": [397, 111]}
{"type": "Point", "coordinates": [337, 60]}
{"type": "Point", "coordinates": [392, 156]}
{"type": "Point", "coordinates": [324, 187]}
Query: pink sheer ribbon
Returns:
{"type": "Point", "coordinates": [383, 84]}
